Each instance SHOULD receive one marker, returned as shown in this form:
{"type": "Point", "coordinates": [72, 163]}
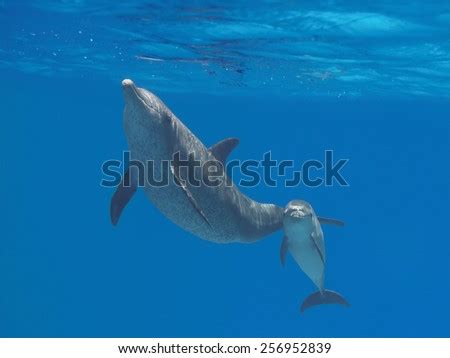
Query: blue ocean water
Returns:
{"type": "Point", "coordinates": [370, 82]}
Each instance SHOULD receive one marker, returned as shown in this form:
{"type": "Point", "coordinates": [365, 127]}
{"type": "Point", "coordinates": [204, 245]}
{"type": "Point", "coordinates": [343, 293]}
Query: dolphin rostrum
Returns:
{"type": "Point", "coordinates": [218, 213]}
{"type": "Point", "coordinates": [304, 240]}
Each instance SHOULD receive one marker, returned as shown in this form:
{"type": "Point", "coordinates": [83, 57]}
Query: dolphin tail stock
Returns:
{"type": "Point", "coordinates": [325, 297]}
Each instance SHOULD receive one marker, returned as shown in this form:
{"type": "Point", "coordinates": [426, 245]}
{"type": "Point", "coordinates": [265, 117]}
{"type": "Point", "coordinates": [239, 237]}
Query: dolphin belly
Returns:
{"type": "Point", "coordinates": [170, 199]}
{"type": "Point", "coordinates": [305, 254]}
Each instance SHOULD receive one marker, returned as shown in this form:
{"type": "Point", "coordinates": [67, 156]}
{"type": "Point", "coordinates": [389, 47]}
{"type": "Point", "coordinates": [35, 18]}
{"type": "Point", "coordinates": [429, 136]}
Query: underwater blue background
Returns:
{"type": "Point", "coordinates": [65, 271]}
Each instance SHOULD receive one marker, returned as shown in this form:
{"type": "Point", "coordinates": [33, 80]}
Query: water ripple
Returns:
{"type": "Point", "coordinates": [329, 49]}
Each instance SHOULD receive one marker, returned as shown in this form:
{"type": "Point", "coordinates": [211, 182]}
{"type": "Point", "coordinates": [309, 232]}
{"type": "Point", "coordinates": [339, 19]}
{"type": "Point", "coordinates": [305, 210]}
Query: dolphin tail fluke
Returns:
{"type": "Point", "coordinates": [325, 297]}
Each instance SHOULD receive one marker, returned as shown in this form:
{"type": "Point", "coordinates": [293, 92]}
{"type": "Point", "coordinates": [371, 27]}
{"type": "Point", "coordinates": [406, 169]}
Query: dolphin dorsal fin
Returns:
{"type": "Point", "coordinates": [222, 150]}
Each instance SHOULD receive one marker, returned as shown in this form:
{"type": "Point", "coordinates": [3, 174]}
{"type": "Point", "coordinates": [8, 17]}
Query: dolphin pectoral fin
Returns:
{"type": "Point", "coordinates": [319, 247]}
{"type": "Point", "coordinates": [323, 298]}
{"type": "Point", "coordinates": [283, 250]}
{"type": "Point", "coordinates": [222, 150]}
{"type": "Point", "coordinates": [122, 196]}
{"type": "Point", "coordinates": [329, 221]}
{"type": "Point", "coordinates": [189, 195]}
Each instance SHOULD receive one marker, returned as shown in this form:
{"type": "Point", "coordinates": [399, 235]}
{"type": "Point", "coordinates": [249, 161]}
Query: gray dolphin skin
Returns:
{"type": "Point", "coordinates": [221, 214]}
{"type": "Point", "coordinates": [304, 240]}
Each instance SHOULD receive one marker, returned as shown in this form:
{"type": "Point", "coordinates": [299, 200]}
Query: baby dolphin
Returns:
{"type": "Point", "coordinates": [304, 240]}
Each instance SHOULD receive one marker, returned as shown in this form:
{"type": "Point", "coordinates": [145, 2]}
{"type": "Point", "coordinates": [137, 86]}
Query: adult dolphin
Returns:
{"type": "Point", "coordinates": [218, 213]}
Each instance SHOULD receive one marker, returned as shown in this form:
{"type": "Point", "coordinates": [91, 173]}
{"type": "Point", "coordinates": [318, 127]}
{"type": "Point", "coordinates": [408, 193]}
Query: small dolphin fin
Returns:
{"type": "Point", "coordinates": [329, 221]}
{"type": "Point", "coordinates": [222, 150]}
{"type": "Point", "coordinates": [122, 196]}
{"type": "Point", "coordinates": [283, 250]}
{"type": "Point", "coordinates": [189, 195]}
{"type": "Point", "coordinates": [319, 248]}
{"type": "Point", "coordinates": [323, 298]}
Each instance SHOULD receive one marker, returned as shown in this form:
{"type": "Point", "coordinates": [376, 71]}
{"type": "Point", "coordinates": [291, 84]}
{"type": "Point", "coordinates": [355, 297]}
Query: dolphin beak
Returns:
{"type": "Point", "coordinates": [128, 87]}
{"type": "Point", "coordinates": [137, 96]}
{"type": "Point", "coordinates": [298, 214]}
{"type": "Point", "coordinates": [127, 83]}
